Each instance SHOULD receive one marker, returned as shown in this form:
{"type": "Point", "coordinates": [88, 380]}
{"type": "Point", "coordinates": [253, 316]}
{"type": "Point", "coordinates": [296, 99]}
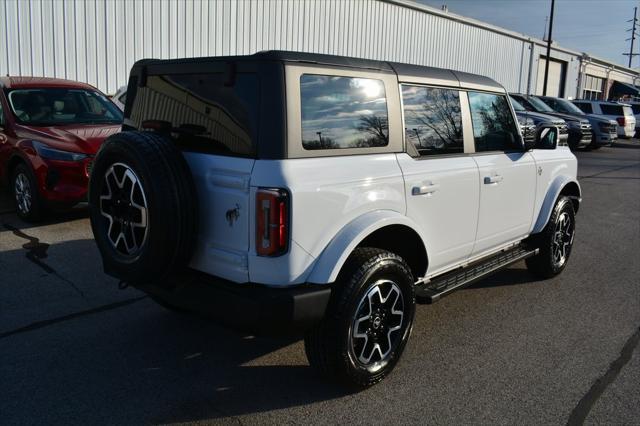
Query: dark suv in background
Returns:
{"type": "Point", "coordinates": [539, 121]}
{"type": "Point", "coordinates": [578, 125]}
{"type": "Point", "coordinates": [604, 129]}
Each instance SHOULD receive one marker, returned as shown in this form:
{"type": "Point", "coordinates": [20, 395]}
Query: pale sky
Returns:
{"type": "Point", "coordinates": [597, 27]}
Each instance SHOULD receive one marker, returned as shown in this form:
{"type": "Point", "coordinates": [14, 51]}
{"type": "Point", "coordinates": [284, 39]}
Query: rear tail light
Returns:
{"type": "Point", "coordinates": [272, 222]}
{"type": "Point", "coordinates": [621, 121]}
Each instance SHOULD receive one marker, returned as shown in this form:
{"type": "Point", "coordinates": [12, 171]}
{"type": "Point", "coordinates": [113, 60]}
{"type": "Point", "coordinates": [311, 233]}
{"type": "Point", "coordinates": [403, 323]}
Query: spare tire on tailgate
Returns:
{"type": "Point", "coordinates": [143, 207]}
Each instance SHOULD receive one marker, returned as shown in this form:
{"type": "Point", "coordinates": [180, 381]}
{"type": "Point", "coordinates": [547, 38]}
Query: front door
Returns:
{"type": "Point", "coordinates": [507, 173]}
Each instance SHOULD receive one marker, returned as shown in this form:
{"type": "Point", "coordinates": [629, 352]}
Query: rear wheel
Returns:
{"type": "Point", "coordinates": [368, 320]}
{"type": "Point", "coordinates": [29, 205]}
{"type": "Point", "coordinates": [554, 242]}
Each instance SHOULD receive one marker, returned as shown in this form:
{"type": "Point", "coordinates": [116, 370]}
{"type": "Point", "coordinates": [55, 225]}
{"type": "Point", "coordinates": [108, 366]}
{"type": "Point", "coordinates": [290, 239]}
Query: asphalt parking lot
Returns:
{"type": "Point", "coordinates": [75, 349]}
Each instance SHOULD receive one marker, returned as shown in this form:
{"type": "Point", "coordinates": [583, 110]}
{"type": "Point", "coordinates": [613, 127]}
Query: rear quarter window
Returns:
{"type": "Point", "coordinates": [343, 112]}
{"type": "Point", "coordinates": [205, 112]}
{"type": "Point", "coordinates": [611, 109]}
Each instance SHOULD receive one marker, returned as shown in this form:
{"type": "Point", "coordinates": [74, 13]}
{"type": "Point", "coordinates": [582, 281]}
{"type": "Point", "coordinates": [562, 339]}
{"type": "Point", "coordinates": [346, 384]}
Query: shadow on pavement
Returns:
{"type": "Point", "coordinates": [630, 145]}
{"type": "Point", "coordinates": [52, 217]}
{"type": "Point", "coordinates": [514, 275]}
{"type": "Point", "coordinates": [139, 363]}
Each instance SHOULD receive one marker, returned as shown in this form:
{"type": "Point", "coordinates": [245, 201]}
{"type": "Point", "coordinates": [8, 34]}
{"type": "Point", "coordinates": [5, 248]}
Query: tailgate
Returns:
{"type": "Point", "coordinates": [223, 233]}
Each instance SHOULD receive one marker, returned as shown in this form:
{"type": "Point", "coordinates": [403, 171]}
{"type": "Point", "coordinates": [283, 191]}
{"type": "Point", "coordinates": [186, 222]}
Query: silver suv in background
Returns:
{"type": "Point", "coordinates": [603, 128]}
{"type": "Point", "coordinates": [539, 120]}
{"type": "Point", "coordinates": [578, 125]}
{"type": "Point", "coordinates": [635, 106]}
{"type": "Point", "coordinates": [621, 113]}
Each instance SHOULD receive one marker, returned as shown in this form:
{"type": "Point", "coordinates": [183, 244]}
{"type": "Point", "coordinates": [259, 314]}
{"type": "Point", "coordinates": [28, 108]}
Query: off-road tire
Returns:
{"type": "Point", "coordinates": [37, 208]}
{"type": "Point", "coordinates": [166, 182]}
{"type": "Point", "coordinates": [543, 265]}
{"type": "Point", "coordinates": [327, 345]}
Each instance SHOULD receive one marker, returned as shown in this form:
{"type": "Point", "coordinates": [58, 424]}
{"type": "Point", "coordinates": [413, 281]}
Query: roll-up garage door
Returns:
{"type": "Point", "coordinates": [555, 84]}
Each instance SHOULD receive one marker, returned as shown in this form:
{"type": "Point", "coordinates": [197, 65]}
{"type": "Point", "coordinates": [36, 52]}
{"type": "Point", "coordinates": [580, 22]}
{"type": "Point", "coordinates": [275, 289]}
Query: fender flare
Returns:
{"type": "Point", "coordinates": [550, 198]}
{"type": "Point", "coordinates": [18, 155]}
{"type": "Point", "coordinates": [330, 262]}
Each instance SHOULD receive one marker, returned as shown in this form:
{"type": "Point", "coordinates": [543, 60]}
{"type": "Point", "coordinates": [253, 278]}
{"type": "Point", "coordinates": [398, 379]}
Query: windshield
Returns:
{"type": "Point", "coordinates": [568, 107]}
{"type": "Point", "coordinates": [60, 106]}
{"type": "Point", "coordinates": [517, 106]}
{"type": "Point", "coordinates": [539, 105]}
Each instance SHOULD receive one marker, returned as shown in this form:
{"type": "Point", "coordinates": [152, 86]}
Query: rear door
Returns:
{"type": "Point", "coordinates": [507, 174]}
{"type": "Point", "coordinates": [441, 181]}
{"type": "Point", "coordinates": [214, 122]}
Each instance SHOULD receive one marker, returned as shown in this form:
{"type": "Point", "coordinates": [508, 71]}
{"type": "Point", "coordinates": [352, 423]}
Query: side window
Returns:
{"type": "Point", "coordinates": [586, 108]}
{"type": "Point", "coordinates": [608, 109]}
{"type": "Point", "coordinates": [343, 112]}
{"type": "Point", "coordinates": [494, 128]}
{"type": "Point", "coordinates": [432, 119]}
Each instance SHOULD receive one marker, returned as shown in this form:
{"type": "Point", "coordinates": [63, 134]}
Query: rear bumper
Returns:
{"type": "Point", "coordinates": [249, 307]}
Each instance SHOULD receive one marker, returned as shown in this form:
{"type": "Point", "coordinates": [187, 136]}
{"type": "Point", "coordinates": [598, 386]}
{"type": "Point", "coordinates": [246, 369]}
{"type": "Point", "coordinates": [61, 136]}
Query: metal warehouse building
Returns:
{"type": "Point", "coordinates": [97, 41]}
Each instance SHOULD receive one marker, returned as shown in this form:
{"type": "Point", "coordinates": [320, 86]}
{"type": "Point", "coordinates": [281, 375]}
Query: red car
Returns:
{"type": "Point", "coordinates": [50, 129]}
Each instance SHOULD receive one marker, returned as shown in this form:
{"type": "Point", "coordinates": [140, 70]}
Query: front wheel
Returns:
{"type": "Point", "coordinates": [368, 320]}
{"type": "Point", "coordinates": [554, 242]}
{"type": "Point", "coordinates": [29, 205]}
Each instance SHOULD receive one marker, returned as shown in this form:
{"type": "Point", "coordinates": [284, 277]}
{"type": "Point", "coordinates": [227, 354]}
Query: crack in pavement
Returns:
{"type": "Point", "coordinates": [581, 411]}
{"type": "Point", "coordinates": [36, 251]}
{"type": "Point", "coordinates": [41, 324]}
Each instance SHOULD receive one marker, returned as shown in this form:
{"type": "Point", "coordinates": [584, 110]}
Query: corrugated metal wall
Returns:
{"type": "Point", "coordinates": [97, 41]}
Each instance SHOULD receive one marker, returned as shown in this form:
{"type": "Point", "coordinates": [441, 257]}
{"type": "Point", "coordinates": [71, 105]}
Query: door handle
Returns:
{"type": "Point", "coordinates": [427, 189]}
{"type": "Point", "coordinates": [488, 180]}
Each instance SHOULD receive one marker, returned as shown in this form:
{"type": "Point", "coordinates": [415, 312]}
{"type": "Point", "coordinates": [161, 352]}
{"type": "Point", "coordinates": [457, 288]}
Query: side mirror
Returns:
{"type": "Point", "coordinates": [546, 137]}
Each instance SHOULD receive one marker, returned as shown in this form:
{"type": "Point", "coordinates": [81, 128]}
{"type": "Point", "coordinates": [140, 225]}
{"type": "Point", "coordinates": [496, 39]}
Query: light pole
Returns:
{"type": "Point", "coordinates": [546, 65]}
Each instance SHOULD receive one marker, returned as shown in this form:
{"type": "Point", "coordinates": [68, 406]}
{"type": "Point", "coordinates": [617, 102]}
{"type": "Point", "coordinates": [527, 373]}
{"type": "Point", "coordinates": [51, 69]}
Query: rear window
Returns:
{"type": "Point", "coordinates": [205, 112]}
{"type": "Point", "coordinates": [611, 109]}
{"type": "Point", "coordinates": [343, 112]}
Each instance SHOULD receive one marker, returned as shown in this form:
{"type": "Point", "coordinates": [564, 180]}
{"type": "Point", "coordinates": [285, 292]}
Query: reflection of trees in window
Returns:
{"type": "Point", "coordinates": [442, 115]}
{"type": "Point", "coordinates": [496, 117]}
{"type": "Point", "coordinates": [433, 118]}
{"type": "Point", "coordinates": [343, 112]}
{"type": "Point", "coordinates": [375, 125]}
{"type": "Point", "coordinates": [323, 142]}
{"type": "Point", "coordinates": [493, 125]}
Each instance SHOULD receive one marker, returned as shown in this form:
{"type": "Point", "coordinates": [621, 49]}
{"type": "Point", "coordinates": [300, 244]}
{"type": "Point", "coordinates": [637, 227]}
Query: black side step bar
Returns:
{"type": "Point", "coordinates": [432, 291]}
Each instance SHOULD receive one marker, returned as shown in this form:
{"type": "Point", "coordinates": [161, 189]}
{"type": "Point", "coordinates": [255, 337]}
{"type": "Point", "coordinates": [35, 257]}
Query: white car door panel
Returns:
{"type": "Point", "coordinates": [442, 197]}
{"type": "Point", "coordinates": [507, 198]}
{"type": "Point", "coordinates": [507, 173]}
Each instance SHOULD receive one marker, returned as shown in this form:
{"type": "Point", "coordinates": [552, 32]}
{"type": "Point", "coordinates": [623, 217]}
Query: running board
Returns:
{"type": "Point", "coordinates": [432, 291]}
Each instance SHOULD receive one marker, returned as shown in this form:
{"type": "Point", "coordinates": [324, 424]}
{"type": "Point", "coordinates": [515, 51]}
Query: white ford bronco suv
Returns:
{"type": "Point", "coordinates": [325, 195]}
